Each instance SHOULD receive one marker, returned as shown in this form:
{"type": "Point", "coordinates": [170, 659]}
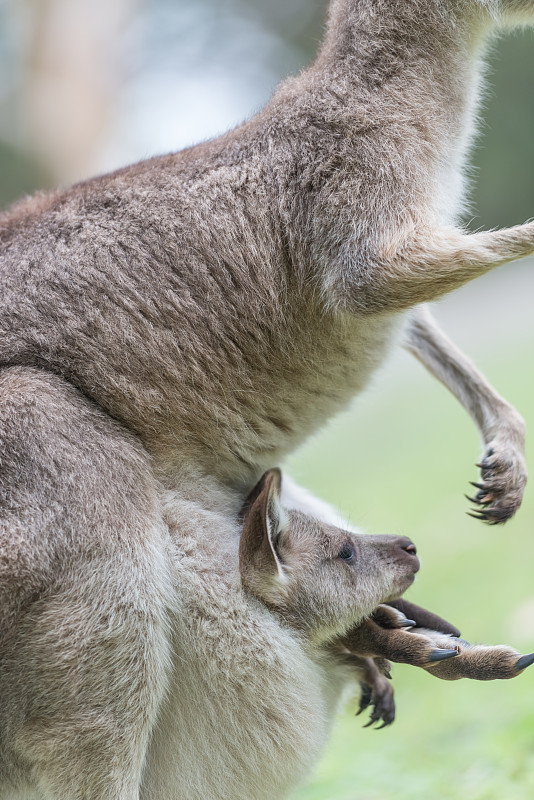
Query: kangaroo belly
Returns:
{"type": "Point", "coordinates": [229, 394]}
{"type": "Point", "coordinates": [222, 360]}
{"type": "Point", "coordinates": [244, 413]}
{"type": "Point", "coordinates": [332, 362]}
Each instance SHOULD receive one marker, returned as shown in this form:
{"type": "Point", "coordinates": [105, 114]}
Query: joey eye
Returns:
{"type": "Point", "coordinates": [346, 553]}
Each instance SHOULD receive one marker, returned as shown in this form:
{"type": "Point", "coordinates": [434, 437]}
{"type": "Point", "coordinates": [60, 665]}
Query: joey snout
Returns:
{"type": "Point", "coordinates": [394, 557]}
{"type": "Point", "coordinates": [404, 549]}
{"type": "Point", "coordinates": [405, 553]}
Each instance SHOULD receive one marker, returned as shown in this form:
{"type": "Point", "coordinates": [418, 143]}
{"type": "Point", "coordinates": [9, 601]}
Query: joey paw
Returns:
{"type": "Point", "coordinates": [380, 697]}
{"type": "Point", "coordinates": [500, 489]}
{"type": "Point", "coordinates": [481, 662]}
{"type": "Point", "coordinates": [390, 618]}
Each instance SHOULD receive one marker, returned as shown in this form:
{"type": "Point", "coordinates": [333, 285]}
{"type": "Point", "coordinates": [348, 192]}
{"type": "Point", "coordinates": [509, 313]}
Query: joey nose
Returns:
{"type": "Point", "coordinates": [406, 544]}
{"type": "Point", "coordinates": [408, 547]}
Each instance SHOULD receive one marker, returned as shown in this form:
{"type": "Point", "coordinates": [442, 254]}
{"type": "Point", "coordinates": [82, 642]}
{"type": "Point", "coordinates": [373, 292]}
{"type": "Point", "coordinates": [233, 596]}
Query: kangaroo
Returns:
{"type": "Point", "coordinates": [101, 697]}
{"type": "Point", "coordinates": [170, 331]}
{"type": "Point", "coordinates": [197, 656]}
{"type": "Point", "coordinates": [317, 585]}
{"type": "Point", "coordinates": [288, 561]}
{"type": "Point", "coordinates": [221, 303]}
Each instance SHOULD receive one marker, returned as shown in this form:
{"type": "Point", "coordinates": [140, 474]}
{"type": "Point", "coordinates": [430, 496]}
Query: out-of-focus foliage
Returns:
{"type": "Point", "coordinates": [20, 174]}
{"type": "Point", "coordinates": [504, 163]}
{"type": "Point", "coordinates": [400, 462]}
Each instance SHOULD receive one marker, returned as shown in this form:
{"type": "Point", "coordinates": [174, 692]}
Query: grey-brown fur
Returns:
{"type": "Point", "coordinates": [388, 636]}
{"type": "Point", "coordinates": [182, 324]}
{"type": "Point", "coordinates": [223, 302]}
{"type": "Point", "coordinates": [317, 579]}
{"type": "Point", "coordinates": [84, 596]}
{"type": "Point", "coordinates": [256, 674]}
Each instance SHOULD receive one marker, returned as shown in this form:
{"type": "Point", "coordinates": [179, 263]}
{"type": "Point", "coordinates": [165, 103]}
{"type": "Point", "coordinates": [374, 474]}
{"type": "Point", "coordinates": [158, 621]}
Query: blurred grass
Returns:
{"type": "Point", "coordinates": [400, 461]}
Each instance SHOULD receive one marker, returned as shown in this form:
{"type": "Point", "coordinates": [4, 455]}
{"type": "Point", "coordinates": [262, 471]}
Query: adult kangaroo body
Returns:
{"type": "Point", "coordinates": [223, 302]}
{"type": "Point", "coordinates": [169, 331]}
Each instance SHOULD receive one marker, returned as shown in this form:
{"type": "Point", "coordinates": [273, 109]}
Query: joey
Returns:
{"type": "Point", "coordinates": [333, 588]}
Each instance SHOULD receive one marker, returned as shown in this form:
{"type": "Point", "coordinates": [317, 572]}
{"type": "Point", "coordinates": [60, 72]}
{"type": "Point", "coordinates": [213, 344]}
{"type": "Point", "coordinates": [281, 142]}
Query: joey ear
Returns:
{"type": "Point", "coordinates": [263, 526]}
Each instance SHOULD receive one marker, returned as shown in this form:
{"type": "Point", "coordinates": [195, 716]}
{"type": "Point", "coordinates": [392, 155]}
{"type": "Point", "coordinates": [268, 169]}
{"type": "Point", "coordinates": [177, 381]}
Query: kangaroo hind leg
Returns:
{"type": "Point", "coordinates": [83, 587]}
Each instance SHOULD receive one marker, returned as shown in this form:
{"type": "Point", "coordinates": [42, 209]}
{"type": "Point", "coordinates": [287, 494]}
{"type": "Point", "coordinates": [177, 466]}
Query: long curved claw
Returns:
{"type": "Point", "coordinates": [372, 721]}
{"type": "Point", "coordinates": [390, 617]}
{"type": "Point", "coordinates": [501, 486]}
{"type": "Point", "coordinates": [384, 725]}
{"type": "Point", "coordinates": [483, 498]}
{"type": "Point", "coordinates": [477, 515]}
{"type": "Point", "coordinates": [381, 714]}
{"type": "Point", "coordinates": [441, 655]}
{"type": "Point", "coordinates": [365, 698]}
{"type": "Point", "coordinates": [524, 662]}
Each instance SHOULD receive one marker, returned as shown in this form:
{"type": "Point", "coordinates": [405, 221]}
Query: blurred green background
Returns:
{"type": "Point", "coordinates": [399, 462]}
{"type": "Point", "coordinates": [89, 85]}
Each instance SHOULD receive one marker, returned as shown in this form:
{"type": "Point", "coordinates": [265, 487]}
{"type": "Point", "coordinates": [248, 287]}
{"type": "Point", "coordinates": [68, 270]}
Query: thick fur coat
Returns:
{"type": "Point", "coordinates": [169, 331]}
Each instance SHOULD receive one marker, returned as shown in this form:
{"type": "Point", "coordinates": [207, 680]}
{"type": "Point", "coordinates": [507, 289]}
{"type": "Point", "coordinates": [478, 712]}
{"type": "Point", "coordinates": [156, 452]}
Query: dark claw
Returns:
{"type": "Point", "coordinates": [441, 655]}
{"type": "Point", "coordinates": [474, 500]}
{"type": "Point", "coordinates": [409, 623]}
{"type": "Point", "coordinates": [478, 485]}
{"type": "Point", "coordinates": [482, 499]}
{"type": "Point", "coordinates": [384, 725]}
{"type": "Point", "coordinates": [375, 717]}
{"type": "Point", "coordinates": [487, 490]}
{"type": "Point", "coordinates": [485, 467]}
{"type": "Point", "coordinates": [478, 515]}
{"type": "Point", "coordinates": [365, 698]}
{"type": "Point", "coordinates": [496, 515]}
{"type": "Point", "coordinates": [492, 516]}
{"type": "Point", "coordinates": [524, 662]}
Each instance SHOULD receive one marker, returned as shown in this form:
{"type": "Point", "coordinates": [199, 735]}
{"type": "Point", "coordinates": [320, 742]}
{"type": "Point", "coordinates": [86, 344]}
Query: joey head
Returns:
{"type": "Point", "coordinates": [321, 580]}
{"type": "Point", "coordinates": [341, 592]}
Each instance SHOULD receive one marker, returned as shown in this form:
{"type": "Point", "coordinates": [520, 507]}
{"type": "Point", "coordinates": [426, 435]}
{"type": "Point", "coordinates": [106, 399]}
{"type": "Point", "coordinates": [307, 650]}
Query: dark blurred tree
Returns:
{"type": "Point", "coordinates": [503, 188]}
{"type": "Point", "coordinates": [21, 174]}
